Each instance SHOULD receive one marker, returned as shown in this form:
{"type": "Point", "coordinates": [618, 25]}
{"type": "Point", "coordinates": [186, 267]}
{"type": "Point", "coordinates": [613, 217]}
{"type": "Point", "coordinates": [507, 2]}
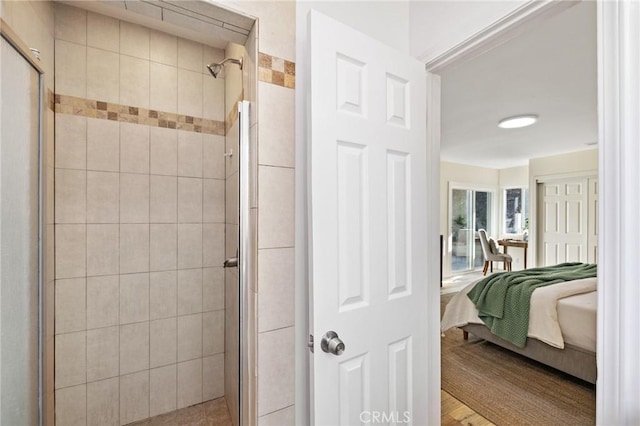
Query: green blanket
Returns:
{"type": "Point", "coordinates": [503, 299]}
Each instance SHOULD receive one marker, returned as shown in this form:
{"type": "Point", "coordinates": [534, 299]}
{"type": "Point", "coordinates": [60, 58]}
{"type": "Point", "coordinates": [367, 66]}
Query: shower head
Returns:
{"type": "Point", "coordinates": [215, 69]}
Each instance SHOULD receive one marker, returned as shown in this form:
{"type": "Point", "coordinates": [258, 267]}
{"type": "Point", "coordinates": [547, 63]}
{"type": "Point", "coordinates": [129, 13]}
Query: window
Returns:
{"type": "Point", "coordinates": [516, 210]}
{"type": "Point", "coordinates": [470, 211]}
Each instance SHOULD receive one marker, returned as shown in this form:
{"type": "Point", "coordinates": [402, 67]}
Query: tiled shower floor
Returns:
{"type": "Point", "coordinates": [210, 413]}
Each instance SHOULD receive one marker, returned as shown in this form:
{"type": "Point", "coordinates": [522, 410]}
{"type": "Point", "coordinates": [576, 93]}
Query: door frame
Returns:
{"type": "Point", "coordinates": [618, 107]}
{"type": "Point", "coordinates": [492, 225]}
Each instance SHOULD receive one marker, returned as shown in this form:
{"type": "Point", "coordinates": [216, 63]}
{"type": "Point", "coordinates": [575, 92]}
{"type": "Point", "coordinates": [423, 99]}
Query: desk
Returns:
{"type": "Point", "coordinates": [515, 243]}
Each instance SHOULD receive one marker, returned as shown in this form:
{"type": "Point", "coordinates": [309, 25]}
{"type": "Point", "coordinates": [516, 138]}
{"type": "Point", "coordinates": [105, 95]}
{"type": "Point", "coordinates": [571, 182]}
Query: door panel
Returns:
{"type": "Point", "coordinates": [399, 224]}
{"type": "Point", "coordinates": [400, 376]}
{"type": "Point", "coordinates": [355, 391]}
{"type": "Point", "coordinates": [574, 220]}
{"type": "Point", "coordinates": [353, 256]}
{"type": "Point", "coordinates": [19, 234]}
{"type": "Point", "coordinates": [550, 253]}
{"type": "Point", "coordinates": [573, 251]}
{"type": "Point", "coordinates": [551, 219]}
{"type": "Point", "coordinates": [368, 178]}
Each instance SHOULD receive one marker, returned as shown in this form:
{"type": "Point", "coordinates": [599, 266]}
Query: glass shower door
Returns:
{"type": "Point", "coordinates": [19, 237]}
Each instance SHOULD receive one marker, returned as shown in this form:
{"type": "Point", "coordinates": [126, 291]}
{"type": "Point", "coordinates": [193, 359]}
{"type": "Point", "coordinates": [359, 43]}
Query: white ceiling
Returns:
{"type": "Point", "coordinates": [549, 71]}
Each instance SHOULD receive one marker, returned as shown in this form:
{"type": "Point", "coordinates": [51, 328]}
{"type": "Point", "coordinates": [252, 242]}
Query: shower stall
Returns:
{"type": "Point", "coordinates": [155, 226]}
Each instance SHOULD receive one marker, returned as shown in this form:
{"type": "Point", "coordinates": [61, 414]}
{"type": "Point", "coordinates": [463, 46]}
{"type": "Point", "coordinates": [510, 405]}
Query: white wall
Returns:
{"type": "Point", "coordinates": [514, 177]}
{"type": "Point", "coordinates": [437, 26]}
{"type": "Point", "coordinates": [387, 22]}
{"type": "Point", "coordinates": [574, 162]}
{"type": "Point", "coordinates": [277, 29]}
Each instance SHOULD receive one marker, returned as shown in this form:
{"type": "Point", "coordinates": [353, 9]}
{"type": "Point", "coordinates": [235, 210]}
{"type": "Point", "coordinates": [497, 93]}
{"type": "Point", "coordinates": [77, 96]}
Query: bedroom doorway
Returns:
{"type": "Point", "coordinates": [508, 79]}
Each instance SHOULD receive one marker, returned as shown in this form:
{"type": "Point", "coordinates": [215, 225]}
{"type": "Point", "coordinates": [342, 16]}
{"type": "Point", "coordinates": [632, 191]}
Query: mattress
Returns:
{"type": "Point", "coordinates": [560, 313]}
{"type": "Point", "coordinates": [578, 321]}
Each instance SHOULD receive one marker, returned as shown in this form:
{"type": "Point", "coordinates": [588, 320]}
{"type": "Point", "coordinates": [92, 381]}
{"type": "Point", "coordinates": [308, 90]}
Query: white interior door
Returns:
{"type": "Point", "coordinates": [564, 225]}
{"type": "Point", "coordinates": [368, 193]}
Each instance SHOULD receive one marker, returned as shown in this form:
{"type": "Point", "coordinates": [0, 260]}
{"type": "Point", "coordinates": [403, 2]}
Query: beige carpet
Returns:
{"type": "Point", "coordinates": [509, 389]}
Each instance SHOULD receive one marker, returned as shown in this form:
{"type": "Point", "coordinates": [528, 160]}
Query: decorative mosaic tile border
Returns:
{"type": "Point", "coordinates": [276, 71]}
{"type": "Point", "coordinates": [128, 114]}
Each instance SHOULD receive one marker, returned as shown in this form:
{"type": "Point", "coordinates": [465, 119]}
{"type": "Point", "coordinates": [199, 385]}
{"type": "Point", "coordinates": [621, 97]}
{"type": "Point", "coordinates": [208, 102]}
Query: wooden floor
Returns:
{"type": "Point", "coordinates": [456, 413]}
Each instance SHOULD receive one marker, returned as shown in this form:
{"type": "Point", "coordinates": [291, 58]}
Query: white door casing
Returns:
{"type": "Point", "coordinates": [592, 217]}
{"type": "Point", "coordinates": [564, 221]}
{"type": "Point", "coordinates": [368, 232]}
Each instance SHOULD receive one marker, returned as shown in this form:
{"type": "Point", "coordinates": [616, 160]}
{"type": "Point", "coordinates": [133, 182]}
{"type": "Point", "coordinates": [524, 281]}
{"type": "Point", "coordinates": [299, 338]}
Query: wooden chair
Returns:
{"type": "Point", "coordinates": [492, 253]}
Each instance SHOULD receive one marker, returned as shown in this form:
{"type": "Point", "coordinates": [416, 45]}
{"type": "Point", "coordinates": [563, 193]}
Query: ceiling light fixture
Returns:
{"type": "Point", "coordinates": [517, 121]}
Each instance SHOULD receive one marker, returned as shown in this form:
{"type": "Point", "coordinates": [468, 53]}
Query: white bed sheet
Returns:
{"type": "Point", "coordinates": [578, 320]}
{"type": "Point", "coordinates": [561, 313]}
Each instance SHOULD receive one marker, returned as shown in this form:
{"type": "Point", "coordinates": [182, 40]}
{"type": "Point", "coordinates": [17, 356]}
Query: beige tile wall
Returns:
{"type": "Point", "coordinates": [276, 364]}
{"type": "Point", "coordinates": [139, 224]}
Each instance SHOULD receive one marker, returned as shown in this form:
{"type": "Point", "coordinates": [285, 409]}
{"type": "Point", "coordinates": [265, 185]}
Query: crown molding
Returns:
{"type": "Point", "coordinates": [504, 29]}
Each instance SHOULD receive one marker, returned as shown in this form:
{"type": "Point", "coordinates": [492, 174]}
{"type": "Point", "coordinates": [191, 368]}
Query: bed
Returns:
{"type": "Point", "coordinates": [562, 326]}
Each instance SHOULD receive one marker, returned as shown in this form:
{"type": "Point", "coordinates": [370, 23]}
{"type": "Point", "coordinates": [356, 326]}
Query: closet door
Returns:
{"type": "Point", "coordinates": [19, 237]}
{"type": "Point", "coordinates": [563, 213]}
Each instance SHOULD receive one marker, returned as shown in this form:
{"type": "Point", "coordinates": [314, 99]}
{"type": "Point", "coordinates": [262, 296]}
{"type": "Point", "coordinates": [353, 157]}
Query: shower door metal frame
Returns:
{"type": "Point", "coordinates": [12, 38]}
{"type": "Point", "coordinates": [246, 258]}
